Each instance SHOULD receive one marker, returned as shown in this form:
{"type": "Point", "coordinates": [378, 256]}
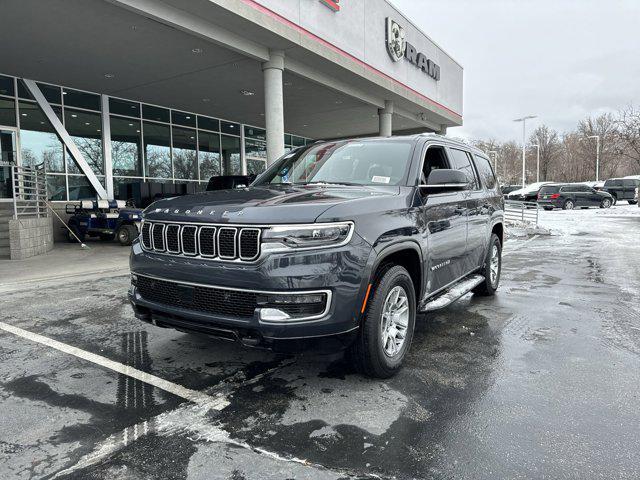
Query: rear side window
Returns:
{"type": "Point", "coordinates": [485, 171]}
{"type": "Point", "coordinates": [630, 182]}
{"type": "Point", "coordinates": [613, 183]}
{"type": "Point", "coordinates": [460, 161]}
{"type": "Point", "coordinates": [547, 189]}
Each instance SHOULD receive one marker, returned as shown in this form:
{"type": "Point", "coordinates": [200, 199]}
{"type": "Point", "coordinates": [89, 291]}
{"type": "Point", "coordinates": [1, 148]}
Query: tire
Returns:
{"type": "Point", "coordinates": [548, 208]}
{"type": "Point", "coordinates": [371, 355]}
{"type": "Point", "coordinates": [633, 202]}
{"type": "Point", "coordinates": [126, 234]}
{"type": "Point", "coordinates": [71, 238]}
{"type": "Point", "coordinates": [606, 203]}
{"type": "Point", "coordinates": [615, 199]}
{"type": "Point", "coordinates": [493, 258]}
{"type": "Point", "coordinates": [568, 205]}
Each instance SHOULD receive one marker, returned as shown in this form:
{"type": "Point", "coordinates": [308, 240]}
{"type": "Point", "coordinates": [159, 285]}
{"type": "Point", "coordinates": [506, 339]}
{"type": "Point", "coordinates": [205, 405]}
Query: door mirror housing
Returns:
{"type": "Point", "coordinates": [445, 180]}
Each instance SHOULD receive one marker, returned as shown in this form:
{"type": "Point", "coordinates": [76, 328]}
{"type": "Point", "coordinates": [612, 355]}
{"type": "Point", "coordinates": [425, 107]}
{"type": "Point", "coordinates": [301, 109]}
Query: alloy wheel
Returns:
{"type": "Point", "coordinates": [569, 205]}
{"type": "Point", "coordinates": [494, 265]}
{"type": "Point", "coordinates": [395, 321]}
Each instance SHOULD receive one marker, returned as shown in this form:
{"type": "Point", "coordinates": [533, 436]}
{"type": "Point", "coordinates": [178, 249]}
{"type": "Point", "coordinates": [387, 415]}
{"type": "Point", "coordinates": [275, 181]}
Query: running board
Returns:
{"type": "Point", "coordinates": [453, 293]}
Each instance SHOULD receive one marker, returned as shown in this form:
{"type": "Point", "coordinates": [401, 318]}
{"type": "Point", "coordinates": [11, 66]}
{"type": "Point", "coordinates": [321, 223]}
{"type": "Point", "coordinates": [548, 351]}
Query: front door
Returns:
{"type": "Point", "coordinates": [8, 158]}
{"type": "Point", "coordinates": [445, 218]}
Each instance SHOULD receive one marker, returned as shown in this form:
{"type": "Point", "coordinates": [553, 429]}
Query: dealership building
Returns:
{"type": "Point", "coordinates": [105, 93]}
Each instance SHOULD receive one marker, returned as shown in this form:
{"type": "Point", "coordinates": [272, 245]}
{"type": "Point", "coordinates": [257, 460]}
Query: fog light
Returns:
{"type": "Point", "coordinates": [134, 280]}
{"type": "Point", "coordinates": [273, 315]}
{"type": "Point", "coordinates": [292, 307]}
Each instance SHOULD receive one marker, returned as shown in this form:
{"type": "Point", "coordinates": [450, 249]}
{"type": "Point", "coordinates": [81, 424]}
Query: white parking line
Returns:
{"type": "Point", "coordinates": [199, 398]}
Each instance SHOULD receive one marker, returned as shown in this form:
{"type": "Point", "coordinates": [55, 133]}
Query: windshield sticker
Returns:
{"type": "Point", "coordinates": [380, 179]}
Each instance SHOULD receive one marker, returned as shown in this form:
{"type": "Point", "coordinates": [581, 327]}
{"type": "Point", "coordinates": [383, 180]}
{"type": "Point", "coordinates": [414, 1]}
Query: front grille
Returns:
{"type": "Point", "coordinates": [216, 301]}
{"type": "Point", "coordinates": [221, 242]}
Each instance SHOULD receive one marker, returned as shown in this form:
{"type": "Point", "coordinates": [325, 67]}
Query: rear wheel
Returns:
{"type": "Point", "coordinates": [71, 238]}
{"type": "Point", "coordinates": [548, 208]}
{"type": "Point", "coordinates": [568, 205]}
{"type": "Point", "coordinates": [606, 203]}
{"type": "Point", "coordinates": [632, 202]}
{"type": "Point", "coordinates": [387, 327]}
{"type": "Point", "coordinates": [491, 268]}
{"type": "Point", "coordinates": [126, 234]}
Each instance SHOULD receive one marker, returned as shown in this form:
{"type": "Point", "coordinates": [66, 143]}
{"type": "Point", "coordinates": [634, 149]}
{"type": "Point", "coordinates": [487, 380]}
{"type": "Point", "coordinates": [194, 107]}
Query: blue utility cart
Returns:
{"type": "Point", "coordinates": [105, 219]}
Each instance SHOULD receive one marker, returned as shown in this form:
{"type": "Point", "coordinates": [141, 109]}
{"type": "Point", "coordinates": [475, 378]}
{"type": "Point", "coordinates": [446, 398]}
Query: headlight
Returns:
{"type": "Point", "coordinates": [316, 235]}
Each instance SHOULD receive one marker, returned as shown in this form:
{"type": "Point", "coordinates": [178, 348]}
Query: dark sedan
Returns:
{"type": "Point", "coordinates": [570, 196]}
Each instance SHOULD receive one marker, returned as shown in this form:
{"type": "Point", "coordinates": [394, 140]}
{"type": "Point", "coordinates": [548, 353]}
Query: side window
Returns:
{"type": "Point", "coordinates": [629, 182]}
{"type": "Point", "coordinates": [434, 159]}
{"type": "Point", "coordinates": [485, 171]}
{"type": "Point", "coordinates": [460, 161]}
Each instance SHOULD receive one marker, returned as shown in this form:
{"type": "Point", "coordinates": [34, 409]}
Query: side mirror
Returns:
{"type": "Point", "coordinates": [445, 180]}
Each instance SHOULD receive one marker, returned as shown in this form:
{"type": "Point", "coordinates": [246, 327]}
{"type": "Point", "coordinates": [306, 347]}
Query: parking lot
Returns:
{"type": "Point", "coordinates": [541, 381]}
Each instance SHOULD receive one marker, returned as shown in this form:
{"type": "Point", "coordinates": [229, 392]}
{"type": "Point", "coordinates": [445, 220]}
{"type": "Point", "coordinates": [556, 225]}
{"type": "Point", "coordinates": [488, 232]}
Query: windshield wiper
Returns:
{"type": "Point", "coordinates": [328, 183]}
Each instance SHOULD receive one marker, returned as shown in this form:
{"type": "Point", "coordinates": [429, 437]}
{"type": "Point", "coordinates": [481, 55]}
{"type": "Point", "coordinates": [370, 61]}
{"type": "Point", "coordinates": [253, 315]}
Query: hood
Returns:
{"type": "Point", "coordinates": [261, 205]}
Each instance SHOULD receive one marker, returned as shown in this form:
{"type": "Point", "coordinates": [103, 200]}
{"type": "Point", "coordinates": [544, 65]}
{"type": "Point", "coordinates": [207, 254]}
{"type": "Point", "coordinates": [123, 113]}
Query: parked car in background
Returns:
{"type": "Point", "coordinates": [623, 189]}
{"type": "Point", "coordinates": [528, 193]}
{"type": "Point", "coordinates": [572, 195]}
{"type": "Point", "coordinates": [595, 185]}
{"type": "Point", "coordinates": [506, 189]}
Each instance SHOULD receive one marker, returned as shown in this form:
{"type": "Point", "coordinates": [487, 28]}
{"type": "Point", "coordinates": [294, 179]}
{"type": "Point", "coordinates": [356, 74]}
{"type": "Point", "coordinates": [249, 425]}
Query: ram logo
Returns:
{"type": "Point", "coordinates": [396, 42]}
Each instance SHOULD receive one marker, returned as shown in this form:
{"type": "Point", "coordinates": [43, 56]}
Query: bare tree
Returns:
{"type": "Point", "coordinates": [550, 148]}
{"type": "Point", "coordinates": [628, 132]}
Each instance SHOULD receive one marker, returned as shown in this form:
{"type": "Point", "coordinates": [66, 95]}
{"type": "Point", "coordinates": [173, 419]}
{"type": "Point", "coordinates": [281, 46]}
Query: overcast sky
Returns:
{"type": "Point", "coordinates": [559, 59]}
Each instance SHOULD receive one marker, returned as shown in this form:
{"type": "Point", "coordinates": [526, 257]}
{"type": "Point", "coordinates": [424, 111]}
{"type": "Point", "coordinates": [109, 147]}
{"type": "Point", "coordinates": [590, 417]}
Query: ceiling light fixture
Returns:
{"type": "Point", "coordinates": [87, 123]}
{"type": "Point", "coordinates": [196, 50]}
{"type": "Point", "coordinates": [109, 75]}
{"type": "Point", "coordinates": [205, 100]}
{"type": "Point", "coordinates": [74, 115]}
{"type": "Point", "coordinates": [24, 114]}
{"type": "Point", "coordinates": [247, 93]}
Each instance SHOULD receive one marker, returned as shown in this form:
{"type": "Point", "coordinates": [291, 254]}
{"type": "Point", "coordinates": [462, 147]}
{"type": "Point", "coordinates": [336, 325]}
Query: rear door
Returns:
{"type": "Point", "coordinates": [480, 208]}
{"type": "Point", "coordinates": [629, 186]}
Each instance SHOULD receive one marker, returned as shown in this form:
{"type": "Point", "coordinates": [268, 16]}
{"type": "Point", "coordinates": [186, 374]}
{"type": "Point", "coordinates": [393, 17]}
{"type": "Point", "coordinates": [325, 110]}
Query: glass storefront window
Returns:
{"type": "Point", "coordinates": [38, 140]}
{"type": "Point", "coordinates": [6, 86]}
{"type": "Point", "coordinates": [78, 99]}
{"type": "Point", "coordinates": [123, 107]}
{"type": "Point", "coordinates": [57, 187]}
{"type": "Point", "coordinates": [256, 153]}
{"type": "Point", "coordinates": [231, 155]}
{"type": "Point", "coordinates": [149, 112]}
{"type": "Point", "coordinates": [209, 155]}
{"type": "Point", "coordinates": [7, 112]}
{"type": "Point", "coordinates": [51, 93]}
{"type": "Point", "coordinates": [182, 118]}
{"type": "Point", "coordinates": [287, 139]}
{"type": "Point", "coordinates": [185, 165]}
{"type": "Point", "coordinates": [207, 123]}
{"type": "Point", "coordinates": [157, 150]}
{"type": "Point", "coordinates": [85, 130]}
{"type": "Point", "coordinates": [80, 188]}
{"type": "Point", "coordinates": [230, 128]}
{"type": "Point", "coordinates": [257, 133]}
{"type": "Point", "coordinates": [126, 147]}
{"type": "Point", "coordinates": [297, 141]}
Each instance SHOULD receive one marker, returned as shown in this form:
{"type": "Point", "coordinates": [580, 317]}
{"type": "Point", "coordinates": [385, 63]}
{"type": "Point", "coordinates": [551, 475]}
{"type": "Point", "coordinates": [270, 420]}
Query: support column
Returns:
{"type": "Point", "coordinates": [385, 116]}
{"type": "Point", "coordinates": [106, 146]}
{"type": "Point", "coordinates": [273, 105]}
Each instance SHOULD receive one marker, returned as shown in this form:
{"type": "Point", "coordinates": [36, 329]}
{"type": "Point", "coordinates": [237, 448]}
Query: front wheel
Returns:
{"type": "Point", "coordinates": [387, 327]}
{"type": "Point", "coordinates": [491, 269]}
{"type": "Point", "coordinates": [568, 205]}
{"type": "Point", "coordinates": [606, 203]}
{"type": "Point", "coordinates": [615, 200]}
{"type": "Point", "coordinates": [126, 234]}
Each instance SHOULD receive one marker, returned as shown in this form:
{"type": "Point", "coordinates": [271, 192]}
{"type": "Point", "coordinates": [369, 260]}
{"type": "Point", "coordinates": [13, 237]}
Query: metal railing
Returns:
{"type": "Point", "coordinates": [29, 191]}
{"type": "Point", "coordinates": [525, 213]}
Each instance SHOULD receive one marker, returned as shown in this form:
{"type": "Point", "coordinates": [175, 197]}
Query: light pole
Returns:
{"type": "Point", "coordinates": [537, 145]}
{"type": "Point", "coordinates": [524, 144]}
{"type": "Point", "coordinates": [597, 137]}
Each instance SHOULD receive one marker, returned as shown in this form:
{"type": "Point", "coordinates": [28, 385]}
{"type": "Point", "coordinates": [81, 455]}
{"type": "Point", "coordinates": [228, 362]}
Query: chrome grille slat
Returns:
{"type": "Point", "coordinates": [188, 237]}
{"type": "Point", "coordinates": [208, 241]}
{"type": "Point", "coordinates": [172, 236]}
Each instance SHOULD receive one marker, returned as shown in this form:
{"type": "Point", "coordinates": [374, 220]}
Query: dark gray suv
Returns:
{"type": "Point", "coordinates": [337, 245]}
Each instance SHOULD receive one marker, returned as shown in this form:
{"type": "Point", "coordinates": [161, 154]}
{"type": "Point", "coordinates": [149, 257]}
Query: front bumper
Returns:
{"type": "Point", "coordinates": [342, 272]}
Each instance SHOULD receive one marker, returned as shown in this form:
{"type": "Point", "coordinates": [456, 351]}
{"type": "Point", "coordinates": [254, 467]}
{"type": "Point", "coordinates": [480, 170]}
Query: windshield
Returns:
{"type": "Point", "coordinates": [367, 162]}
{"type": "Point", "coordinates": [550, 189]}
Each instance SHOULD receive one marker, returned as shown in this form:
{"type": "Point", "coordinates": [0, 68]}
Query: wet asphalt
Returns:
{"type": "Point", "coordinates": [540, 381]}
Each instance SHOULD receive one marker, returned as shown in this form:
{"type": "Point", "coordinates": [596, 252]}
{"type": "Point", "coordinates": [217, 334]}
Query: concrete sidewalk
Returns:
{"type": "Point", "coordinates": [63, 262]}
